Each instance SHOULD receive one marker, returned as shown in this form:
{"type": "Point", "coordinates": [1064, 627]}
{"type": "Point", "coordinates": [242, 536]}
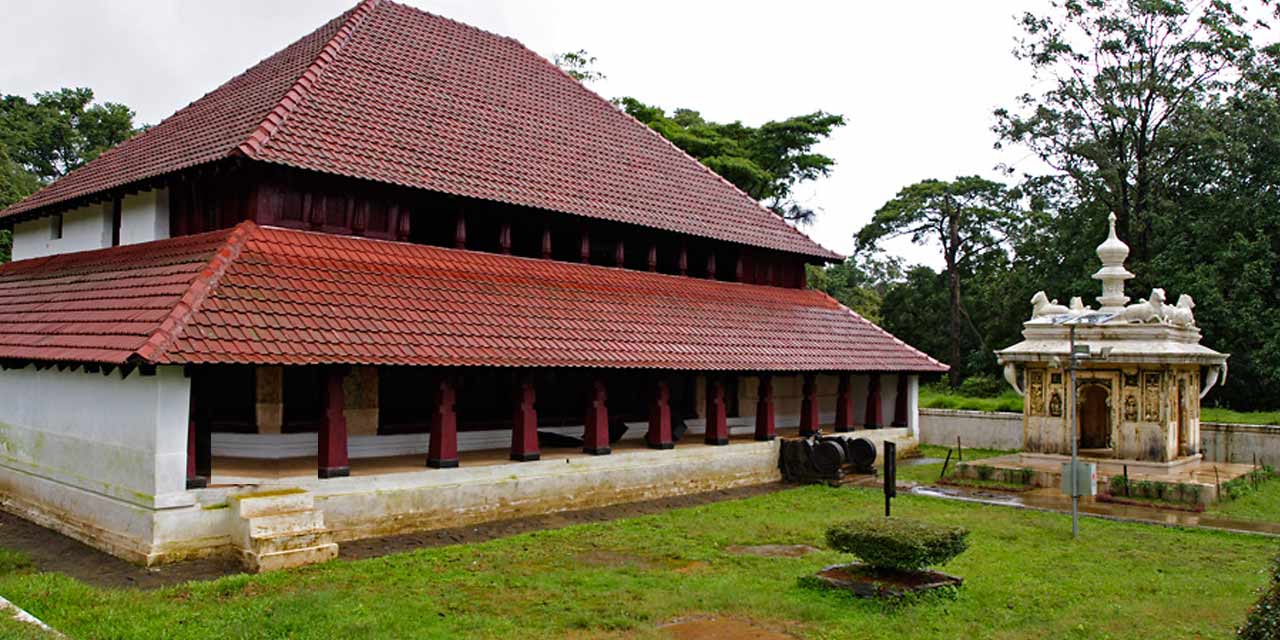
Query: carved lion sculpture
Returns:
{"type": "Point", "coordinates": [1042, 307]}
{"type": "Point", "coordinates": [1145, 310]}
{"type": "Point", "coordinates": [1181, 314]}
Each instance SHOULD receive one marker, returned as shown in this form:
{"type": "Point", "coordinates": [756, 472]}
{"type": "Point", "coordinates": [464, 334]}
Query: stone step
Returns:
{"type": "Point", "coordinates": [288, 559]}
{"type": "Point", "coordinates": [264, 503]}
{"type": "Point", "coordinates": [265, 545]}
{"type": "Point", "coordinates": [286, 522]}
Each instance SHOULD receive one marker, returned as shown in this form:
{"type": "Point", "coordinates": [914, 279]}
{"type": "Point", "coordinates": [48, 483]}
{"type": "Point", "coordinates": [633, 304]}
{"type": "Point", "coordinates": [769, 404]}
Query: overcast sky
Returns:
{"type": "Point", "coordinates": [917, 81]}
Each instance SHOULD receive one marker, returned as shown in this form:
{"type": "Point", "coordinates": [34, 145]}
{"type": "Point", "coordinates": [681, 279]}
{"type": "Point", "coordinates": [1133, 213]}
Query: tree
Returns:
{"type": "Point", "coordinates": [1120, 78]}
{"type": "Point", "coordinates": [579, 65]}
{"type": "Point", "coordinates": [969, 218]}
{"type": "Point", "coordinates": [60, 130]}
{"type": "Point", "coordinates": [766, 162]}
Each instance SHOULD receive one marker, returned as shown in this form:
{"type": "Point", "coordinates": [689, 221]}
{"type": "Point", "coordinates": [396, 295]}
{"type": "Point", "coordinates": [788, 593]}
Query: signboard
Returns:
{"type": "Point", "coordinates": [1086, 479]}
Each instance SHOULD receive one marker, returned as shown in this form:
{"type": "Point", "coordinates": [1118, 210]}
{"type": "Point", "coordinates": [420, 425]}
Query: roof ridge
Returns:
{"type": "Point", "coordinates": [275, 118]}
{"type": "Point", "coordinates": [172, 327]}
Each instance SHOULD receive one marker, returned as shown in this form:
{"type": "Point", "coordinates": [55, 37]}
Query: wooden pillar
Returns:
{"type": "Point", "coordinates": [332, 439]}
{"type": "Point", "coordinates": [584, 249]}
{"type": "Point", "coordinates": [711, 267]}
{"type": "Point", "coordinates": [198, 458]}
{"type": "Point", "coordinates": [595, 440]}
{"type": "Point", "coordinates": [659, 435]}
{"type": "Point", "coordinates": [684, 260]}
{"type": "Point", "coordinates": [504, 237]}
{"type": "Point", "coordinates": [460, 231]}
{"type": "Point", "coordinates": [619, 254]}
{"type": "Point", "coordinates": [442, 451]}
{"type": "Point", "coordinates": [809, 406]}
{"type": "Point", "coordinates": [546, 243]}
{"type": "Point", "coordinates": [739, 269]}
{"type": "Point", "coordinates": [875, 415]}
{"type": "Point", "coordinates": [844, 405]}
{"type": "Point", "coordinates": [402, 223]}
{"type": "Point", "coordinates": [717, 423]}
{"type": "Point", "coordinates": [765, 428]}
{"type": "Point", "coordinates": [524, 430]}
{"type": "Point", "coordinates": [653, 256]}
{"type": "Point", "coordinates": [900, 402]}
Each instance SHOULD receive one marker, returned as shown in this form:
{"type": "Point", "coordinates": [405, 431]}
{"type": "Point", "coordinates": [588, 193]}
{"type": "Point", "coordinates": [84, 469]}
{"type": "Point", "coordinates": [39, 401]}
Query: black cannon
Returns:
{"type": "Point", "coordinates": [825, 458]}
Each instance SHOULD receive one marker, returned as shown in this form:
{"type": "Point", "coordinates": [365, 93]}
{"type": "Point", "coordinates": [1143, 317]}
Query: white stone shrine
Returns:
{"type": "Point", "coordinates": [1138, 393]}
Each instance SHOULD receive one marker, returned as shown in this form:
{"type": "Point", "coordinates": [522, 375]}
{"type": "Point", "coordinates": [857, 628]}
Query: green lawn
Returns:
{"type": "Point", "coordinates": [940, 398]}
{"type": "Point", "coordinates": [928, 473]}
{"type": "Point", "coordinates": [1024, 579]}
{"type": "Point", "coordinates": [1210, 414]}
{"type": "Point", "coordinates": [1261, 504]}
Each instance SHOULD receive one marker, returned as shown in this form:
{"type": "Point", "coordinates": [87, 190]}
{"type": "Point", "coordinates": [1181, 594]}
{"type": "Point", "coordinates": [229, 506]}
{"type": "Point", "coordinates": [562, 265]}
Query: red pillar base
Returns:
{"type": "Point", "coordinates": [844, 406]}
{"type": "Point", "coordinates": [332, 438]}
{"type": "Point", "coordinates": [766, 428]}
{"type": "Point", "coordinates": [194, 479]}
{"type": "Point", "coordinates": [524, 430]}
{"type": "Point", "coordinates": [809, 407]}
{"type": "Point", "coordinates": [595, 440]}
{"type": "Point", "coordinates": [659, 434]}
{"type": "Point", "coordinates": [875, 413]}
{"type": "Point", "coordinates": [333, 472]}
{"type": "Point", "coordinates": [717, 433]}
{"type": "Point", "coordinates": [442, 451]}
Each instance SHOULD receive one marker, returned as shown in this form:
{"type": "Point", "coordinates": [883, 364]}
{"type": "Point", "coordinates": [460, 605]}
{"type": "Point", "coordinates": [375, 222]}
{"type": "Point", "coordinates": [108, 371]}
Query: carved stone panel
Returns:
{"type": "Point", "coordinates": [1130, 407]}
{"type": "Point", "coordinates": [1055, 404]}
{"type": "Point", "coordinates": [1035, 393]}
{"type": "Point", "coordinates": [1151, 396]}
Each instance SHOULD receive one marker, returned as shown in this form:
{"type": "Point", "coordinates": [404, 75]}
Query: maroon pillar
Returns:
{"type": "Point", "coordinates": [460, 231]}
{"type": "Point", "coordinates": [332, 438]}
{"type": "Point", "coordinates": [900, 402]}
{"type": "Point", "coordinates": [524, 430]}
{"type": "Point", "coordinates": [504, 238]}
{"type": "Point", "coordinates": [442, 451]}
{"type": "Point", "coordinates": [659, 435]}
{"type": "Point", "coordinates": [809, 406]}
{"type": "Point", "coordinates": [711, 267]}
{"type": "Point", "coordinates": [684, 261]}
{"type": "Point", "coordinates": [595, 440]}
{"type": "Point", "coordinates": [619, 254]}
{"type": "Point", "coordinates": [844, 405]}
{"type": "Point", "coordinates": [584, 249]}
{"type": "Point", "coordinates": [546, 243]}
{"type": "Point", "coordinates": [765, 428]}
{"type": "Point", "coordinates": [653, 257]}
{"type": "Point", "coordinates": [717, 423]}
{"type": "Point", "coordinates": [875, 415]}
{"type": "Point", "coordinates": [195, 479]}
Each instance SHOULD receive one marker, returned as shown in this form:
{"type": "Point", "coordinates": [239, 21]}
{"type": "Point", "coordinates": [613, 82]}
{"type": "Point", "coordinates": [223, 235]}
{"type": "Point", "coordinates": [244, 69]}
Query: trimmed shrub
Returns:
{"type": "Point", "coordinates": [984, 471]}
{"type": "Point", "coordinates": [1263, 619]}
{"type": "Point", "coordinates": [898, 543]}
{"type": "Point", "coordinates": [982, 387]}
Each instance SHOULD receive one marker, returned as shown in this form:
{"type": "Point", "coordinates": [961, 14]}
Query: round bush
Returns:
{"type": "Point", "coordinates": [1263, 621]}
{"type": "Point", "coordinates": [898, 543]}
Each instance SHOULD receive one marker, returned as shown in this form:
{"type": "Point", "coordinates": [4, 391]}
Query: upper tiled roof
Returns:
{"type": "Point", "coordinates": [393, 94]}
{"type": "Point", "coordinates": [263, 295]}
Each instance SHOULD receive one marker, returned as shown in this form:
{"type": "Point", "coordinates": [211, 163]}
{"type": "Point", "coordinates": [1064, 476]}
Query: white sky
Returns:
{"type": "Point", "coordinates": [917, 81]}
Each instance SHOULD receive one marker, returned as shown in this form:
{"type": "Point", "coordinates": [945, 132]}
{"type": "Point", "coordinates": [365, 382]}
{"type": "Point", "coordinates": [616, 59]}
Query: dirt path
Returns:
{"type": "Point", "coordinates": [51, 551]}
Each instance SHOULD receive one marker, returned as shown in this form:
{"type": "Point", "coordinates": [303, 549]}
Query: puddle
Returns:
{"type": "Point", "coordinates": [717, 628]}
{"type": "Point", "coordinates": [606, 558]}
{"type": "Point", "coordinates": [1050, 499]}
{"type": "Point", "coordinates": [773, 550]}
{"type": "Point", "coordinates": [911, 462]}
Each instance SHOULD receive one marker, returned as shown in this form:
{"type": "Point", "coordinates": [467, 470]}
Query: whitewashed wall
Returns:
{"type": "Point", "coordinates": [144, 216]}
{"type": "Point", "coordinates": [83, 229]}
{"type": "Point", "coordinates": [981, 429]}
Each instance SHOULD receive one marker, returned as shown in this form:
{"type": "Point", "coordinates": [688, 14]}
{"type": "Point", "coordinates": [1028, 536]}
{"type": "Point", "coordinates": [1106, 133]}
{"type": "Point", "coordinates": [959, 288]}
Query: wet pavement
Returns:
{"type": "Point", "coordinates": [1047, 499]}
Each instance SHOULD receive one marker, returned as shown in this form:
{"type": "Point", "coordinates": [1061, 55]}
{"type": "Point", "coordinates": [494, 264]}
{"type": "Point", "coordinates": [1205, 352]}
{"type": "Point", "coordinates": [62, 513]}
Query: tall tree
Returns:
{"type": "Point", "coordinates": [861, 282]}
{"type": "Point", "coordinates": [969, 218]}
{"type": "Point", "coordinates": [1119, 75]}
{"type": "Point", "coordinates": [767, 162]}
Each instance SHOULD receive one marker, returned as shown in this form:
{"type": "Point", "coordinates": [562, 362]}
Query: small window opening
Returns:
{"type": "Point", "coordinates": [55, 227]}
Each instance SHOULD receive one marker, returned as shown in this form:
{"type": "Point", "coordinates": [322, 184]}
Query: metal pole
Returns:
{"type": "Point", "coordinates": [1071, 409]}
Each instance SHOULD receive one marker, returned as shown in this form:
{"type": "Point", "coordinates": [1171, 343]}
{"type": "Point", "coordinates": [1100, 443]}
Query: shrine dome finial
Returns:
{"type": "Point", "coordinates": [1112, 252]}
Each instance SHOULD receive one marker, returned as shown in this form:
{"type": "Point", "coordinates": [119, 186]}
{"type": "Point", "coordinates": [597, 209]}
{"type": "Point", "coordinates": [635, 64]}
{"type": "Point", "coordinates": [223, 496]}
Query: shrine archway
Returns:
{"type": "Point", "coordinates": [1095, 416]}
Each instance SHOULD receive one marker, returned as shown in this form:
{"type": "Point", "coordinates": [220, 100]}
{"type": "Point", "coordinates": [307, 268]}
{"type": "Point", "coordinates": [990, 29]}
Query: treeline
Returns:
{"type": "Point", "coordinates": [1165, 113]}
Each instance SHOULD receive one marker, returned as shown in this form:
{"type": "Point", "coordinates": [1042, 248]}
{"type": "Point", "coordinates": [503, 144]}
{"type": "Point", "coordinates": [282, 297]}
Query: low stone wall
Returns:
{"type": "Point", "coordinates": [980, 429]}
{"type": "Point", "coordinates": [1238, 443]}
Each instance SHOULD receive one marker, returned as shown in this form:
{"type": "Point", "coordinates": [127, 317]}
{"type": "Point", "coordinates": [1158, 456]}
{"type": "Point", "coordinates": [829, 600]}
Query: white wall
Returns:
{"type": "Point", "coordinates": [83, 229]}
{"type": "Point", "coordinates": [975, 428]}
{"type": "Point", "coordinates": [122, 439]}
{"type": "Point", "coordinates": [144, 216]}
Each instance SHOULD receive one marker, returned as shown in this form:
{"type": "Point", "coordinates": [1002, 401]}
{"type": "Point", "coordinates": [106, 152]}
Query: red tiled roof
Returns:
{"type": "Point", "coordinates": [393, 94]}
{"type": "Point", "coordinates": [263, 295]}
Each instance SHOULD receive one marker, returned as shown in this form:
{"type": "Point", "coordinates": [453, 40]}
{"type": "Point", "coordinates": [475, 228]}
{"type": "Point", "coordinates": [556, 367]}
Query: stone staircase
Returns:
{"type": "Point", "coordinates": [280, 529]}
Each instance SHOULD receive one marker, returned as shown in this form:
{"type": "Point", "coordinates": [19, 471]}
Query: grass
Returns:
{"type": "Point", "coordinates": [935, 398]}
{"type": "Point", "coordinates": [1211, 414]}
{"type": "Point", "coordinates": [1024, 578]}
{"type": "Point", "coordinates": [1262, 504]}
{"type": "Point", "coordinates": [928, 473]}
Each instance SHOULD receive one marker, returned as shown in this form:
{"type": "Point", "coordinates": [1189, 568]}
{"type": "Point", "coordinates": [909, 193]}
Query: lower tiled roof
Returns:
{"type": "Point", "coordinates": [264, 295]}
